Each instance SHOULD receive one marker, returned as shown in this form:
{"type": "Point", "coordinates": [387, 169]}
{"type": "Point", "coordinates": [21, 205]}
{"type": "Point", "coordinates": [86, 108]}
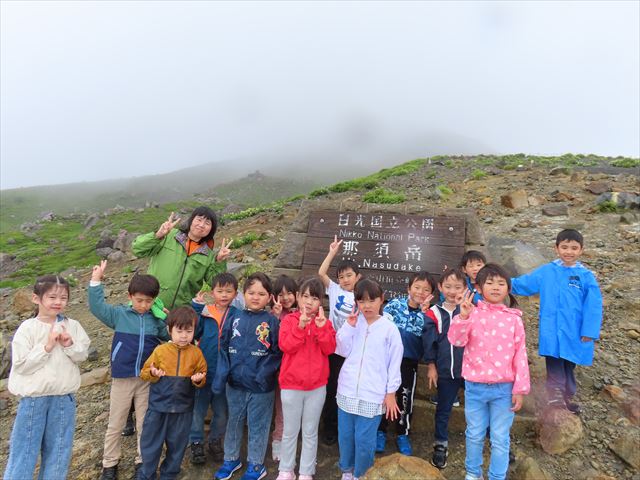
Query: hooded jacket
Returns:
{"type": "Point", "coordinates": [136, 334]}
{"type": "Point", "coordinates": [570, 308]}
{"type": "Point", "coordinates": [207, 334]}
{"type": "Point", "coordinates": [249, 356]}
{"type": "Point", "coordinates": [411, 325]}
{"type": "Point", "coordinates": [305, 360]}
{"type": "Point", "coordinates": [437, 348]}
{"type": "Point", "coordinates": [180, 275]}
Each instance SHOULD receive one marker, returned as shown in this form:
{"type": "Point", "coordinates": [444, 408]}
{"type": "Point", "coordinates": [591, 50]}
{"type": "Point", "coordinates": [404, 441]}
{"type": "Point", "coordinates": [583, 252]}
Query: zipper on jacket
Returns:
{"type": "Point", "coordinates": [140, 344]}
{"type": "Point", "coordinates": [178, 364]}
{"type": "Point", "coordinates": [451, 347]}
{"type": "Point", "coordinates": [364, 346]}
{"type": "Point", "coordinates": [184, 267]}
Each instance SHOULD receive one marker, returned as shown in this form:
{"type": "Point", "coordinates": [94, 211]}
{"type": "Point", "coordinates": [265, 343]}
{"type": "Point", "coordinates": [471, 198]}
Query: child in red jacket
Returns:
{"type": "Point", "coordinates": [306, 340]}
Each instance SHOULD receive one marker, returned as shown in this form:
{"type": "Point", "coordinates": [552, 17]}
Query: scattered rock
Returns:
{"type": "Point", "coordinates": [598, 188]}
{"type": "Point", "coordinates": [292, 251]}
{"type": "Point", "coordinates": [528, 469]}
{"type": "Point", "coordinates": [614, 392]}
{"type": "Point", "coordinates": [398, 466]}
{"type": "Point", "coordinates": [46, 216]}
{"type": "Point", "coordinates": [555, 210]}
{"type": "Point", "coordinates": [536, 200]}
{"type": "Point", "coordinates": [93, 354]}
{"type": "Point", "coordinates": [104, 252]}
{"type": "Point", "coordinates": [91, 221]}
{"type": "Point", "coordinates": [516, 256]}
{"type": "Point", "coordinates": [559, 430]}
{"type": "Point", "coordinates": [628, 218]}
{"type": "Point", "coordinates": [95, 376]}
{"type": "Point", "coordinates": [5, 354]}
{"type": "Point", "coordinates": [22, 304]}
{"type": "Point", "coordinates": [626, 447]}
{"type": "Point", "coordinates": [517, 199]}
{"type": "Point", "coordinates": [115, 256]}
{"type": "Point", "coordinates": [561, 170]}
{"type": "Point", "coordinates": [621, 199]}
{"type": "Point", "coordinates": [123, 241]}
{"type": "Point", "coordinates": [8, 265]}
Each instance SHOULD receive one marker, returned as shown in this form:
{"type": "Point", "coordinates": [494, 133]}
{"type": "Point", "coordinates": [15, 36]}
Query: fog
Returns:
{"type": "Point", "coordinates": [97, 90]}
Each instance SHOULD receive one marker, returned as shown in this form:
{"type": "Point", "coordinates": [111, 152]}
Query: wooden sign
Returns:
{"type": "Point", "coordinates": [387, 247]}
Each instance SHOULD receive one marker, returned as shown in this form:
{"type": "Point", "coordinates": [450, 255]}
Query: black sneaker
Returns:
{"type": "Point", "coordinates": [130, 428]}
{"type": "Point", "coordinates": [330, 438]}
{"type": "Point", "coordinates": [197, 454]}
{"type": "Point", "coordinates": [109, 473]}
{"type": "Point", "coordinates": [137, 467]}
{"type": "Point", "coordinates": [216, 450]}
{"type": "Point", "coordinates": [573, 407]}
{"type": "Point", "coordinates": [439, 457]}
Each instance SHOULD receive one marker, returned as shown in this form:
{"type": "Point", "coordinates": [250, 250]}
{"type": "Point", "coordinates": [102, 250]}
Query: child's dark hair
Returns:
{"type": "Point", "coordinates": [344, 265]}
{"type": "Point", "coordinates": [493, 270]}
{"type": "Point", "coordinates": [453, 272]}
{"type": "Point", "coordinates": [182, 317]}
{"type": "Point", "coordinates": [285, 282]}
{"type": "Point", "coordinates": [571, 235]}
{"type": "Point", "coordinates": [48, 282]}
{"type": "Point", "coordinates": [424, 277]}
{"type": "Point", "coordinates": [206, 212]}
{"type": "Point", "coordinates": [472, 255]}
{"type": "Point", "coordinates": [144, 284]}
{"type": "Point", "coordinates": [223, 279]}
{"type": "Point", "coordinates": [367, 288]}
{"type": "Point", "coordinates": [314, 286]}
{"type": "Point", "coordinates": [261, 278]}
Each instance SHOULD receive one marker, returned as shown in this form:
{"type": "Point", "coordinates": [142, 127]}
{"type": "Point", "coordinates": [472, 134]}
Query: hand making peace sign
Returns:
{"type": "Point", "coordinates": [224, 251]}
{"type": "Point", "coordinates": [167, 226]}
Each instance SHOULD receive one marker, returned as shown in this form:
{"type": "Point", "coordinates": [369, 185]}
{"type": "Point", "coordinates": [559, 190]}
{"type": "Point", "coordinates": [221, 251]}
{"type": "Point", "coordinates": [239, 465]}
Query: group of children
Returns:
{"type": "Point", "coordinates": [357, 368]}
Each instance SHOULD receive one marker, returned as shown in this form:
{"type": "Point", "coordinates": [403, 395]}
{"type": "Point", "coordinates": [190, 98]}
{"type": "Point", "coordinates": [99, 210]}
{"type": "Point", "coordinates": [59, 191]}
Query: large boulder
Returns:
{"type": "Point", "coordinates": [528, 469]}
{"type": "Point", "coordinates": [292, 251]}
{"type": "Point", "coordinates": [517, 199]}
{"type": "Point", "coordinates": [399, 466]}
{"type": "Point", "coordinates": [22, 304]}
{"type": "Point", "coordinates": [626, 447]}
{"type": "Point", "coordinates": [559, 430]}
{"type": "Point", "coordinates": [516, 256]}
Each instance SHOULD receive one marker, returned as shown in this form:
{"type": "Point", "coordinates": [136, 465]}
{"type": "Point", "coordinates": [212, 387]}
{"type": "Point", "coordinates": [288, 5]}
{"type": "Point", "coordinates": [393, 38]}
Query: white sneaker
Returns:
{"type": "Point", "coordinates": [286, 476]}
{"type": "Point", "coordinates": [275, 450]}
{"type": "Point", "coordinates": [302, 476]}
{"type": "Point", "coordinates": [347, 476]}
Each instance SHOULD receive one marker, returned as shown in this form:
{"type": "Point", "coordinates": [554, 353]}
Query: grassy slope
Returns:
{"type": "Point", "coordinates": [63, 244]}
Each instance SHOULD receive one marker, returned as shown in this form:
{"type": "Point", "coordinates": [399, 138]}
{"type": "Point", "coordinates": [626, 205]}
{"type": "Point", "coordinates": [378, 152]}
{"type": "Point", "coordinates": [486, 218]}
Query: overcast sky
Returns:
{"type": "Point", "coordinates": [96, 90]}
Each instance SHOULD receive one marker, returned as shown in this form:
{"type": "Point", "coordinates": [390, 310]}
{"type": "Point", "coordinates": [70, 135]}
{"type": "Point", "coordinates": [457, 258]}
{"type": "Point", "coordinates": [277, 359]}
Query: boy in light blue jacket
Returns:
{"type": "Point", "coordinates": [570, 316]}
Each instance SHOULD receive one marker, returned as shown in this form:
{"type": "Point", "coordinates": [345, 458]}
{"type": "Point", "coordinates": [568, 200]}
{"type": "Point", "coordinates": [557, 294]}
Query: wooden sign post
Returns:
{"type": "Point", "coordinates": [387, 247]}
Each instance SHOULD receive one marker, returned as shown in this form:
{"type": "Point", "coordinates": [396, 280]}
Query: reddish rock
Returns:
{"type": "Point", "coordinates": [559, 430]}
{"type": "Point", "coordinates": [614, 392]}
{"type": "Point", "coordinates": [517, 199]}
{"type": "Point", "coordinates": [598, 187]}
{"type": "Point", "coordinates": [398, 466]}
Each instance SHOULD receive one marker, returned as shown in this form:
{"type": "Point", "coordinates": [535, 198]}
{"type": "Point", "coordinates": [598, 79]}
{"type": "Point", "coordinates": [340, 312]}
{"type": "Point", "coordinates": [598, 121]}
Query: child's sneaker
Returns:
{"type": "Point", "coordinates": [572, 407]}
{"type": "Point", "coordinates": [347, 476]}
{"type": "Point", "coordinates": [255, 471]}
{"type": "Point", "coordinates": [275, 450]}
{"type": "Point", "coordinates": [302, 476]}
{"type": "Point", "coordinates": [404, 445]}
{"type": "Point", "coordinates": [227, 469]}
{"type": "Point", "coordinates": [109, 473]}
{"type": "Point", "coordinates": [434, 400]}
{"type": "Point", "coordinates": [216, 450]}
{"type": "Point", "coordinates": [381, 441]}
{"type": "Point", "coordinates": [197, 454]}
{"type": "Point", "coordinates": [287, 476]}
{"type": "Point", "coordinates": [439, 457]}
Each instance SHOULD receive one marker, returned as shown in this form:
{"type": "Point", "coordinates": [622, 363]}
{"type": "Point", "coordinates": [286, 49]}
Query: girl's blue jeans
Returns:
{"type": "Point", "coordinates": [218, 401]}
{"type": "Point", "coordinates": [488, 404]}
{"type": "Point", "coordinates": [43, 426]}
{"type": "Point", "coordinates": [357, 441]}
{"type": "Point", "coordinates": [254, 409]}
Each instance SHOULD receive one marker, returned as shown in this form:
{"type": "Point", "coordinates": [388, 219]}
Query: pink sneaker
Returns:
{"type": "Point", "coordinates": [286, 476]}
{"type": "Point", "coordinates": [302, 476]}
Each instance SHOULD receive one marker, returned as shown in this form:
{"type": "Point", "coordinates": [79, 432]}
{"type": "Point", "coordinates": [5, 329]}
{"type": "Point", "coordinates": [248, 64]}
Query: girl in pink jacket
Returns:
{"type": "Point", "coordinates": [494, 367]}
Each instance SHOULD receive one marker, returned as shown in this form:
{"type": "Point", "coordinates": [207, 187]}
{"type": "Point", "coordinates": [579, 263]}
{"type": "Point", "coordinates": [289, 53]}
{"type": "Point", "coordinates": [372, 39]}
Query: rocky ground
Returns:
{"type": "Point", "coordinates": [603, 443]}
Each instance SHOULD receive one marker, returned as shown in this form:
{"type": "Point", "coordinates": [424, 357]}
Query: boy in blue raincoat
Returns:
{"type": "Point", "coordinates": [570, 316]}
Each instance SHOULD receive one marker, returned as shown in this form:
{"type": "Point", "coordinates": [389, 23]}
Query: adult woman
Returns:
{"type": "Point", "coordinates": [182, 259]}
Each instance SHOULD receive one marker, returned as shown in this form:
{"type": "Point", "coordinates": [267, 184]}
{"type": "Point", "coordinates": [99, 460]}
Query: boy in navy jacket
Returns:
{"type": "Point", "coordinates": [137, 333]}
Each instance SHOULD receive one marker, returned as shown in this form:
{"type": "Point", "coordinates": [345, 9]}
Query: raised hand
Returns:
{"type": "Point", "coordinates": [98, 271]}
{"type": "Point", "coordinates": [466, 304]}
{"type": "Point", "coordinates": [167, 226]}
{"type": "Point", "coordinates": [352, 319]}
{"type": "Point", "coordinates": [52, 338]}
{"type": "Point", "coordinates": [276, 308]}
{"type": "Point", "coordinates": [197, 377]}
{"type": "Point", "coordinates": [157, 372]}
{"type": "Point", "coordinates": [304, 317]}
{"type": "Point", "coordinates": [199, 298]}
{"type": "Point", "coordinates": [65, 338]}
{"type": "Point", "coordinates": [335, 245]}
{"type": "Point", "coordinates": [321, 320]}
{"type": "Point", "coordinates": [426, 305]}
{"type": "Point", "coordinates": [224, 251]}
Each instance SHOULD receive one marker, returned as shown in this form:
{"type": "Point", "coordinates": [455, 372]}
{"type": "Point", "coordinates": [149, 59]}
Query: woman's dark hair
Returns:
{"type": "Point", "coordinates": [182, 317]}
{"type": "Point", "coordinates": [258, 277]}
{"type": "Point", "coordinates": [314, 286]}
{"type": "Point", "coordinates": [48, 282]}
{"type": "Point", "coordinates": [367, 288]}
{"type": "Point", "coordinates": [206, 212]}
{"type": "Point", "coordinates": [493, 270]}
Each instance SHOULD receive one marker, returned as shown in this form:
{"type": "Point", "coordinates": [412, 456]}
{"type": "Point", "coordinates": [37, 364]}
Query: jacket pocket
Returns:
{"type": "Point", "coordinates": [115, 351]}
